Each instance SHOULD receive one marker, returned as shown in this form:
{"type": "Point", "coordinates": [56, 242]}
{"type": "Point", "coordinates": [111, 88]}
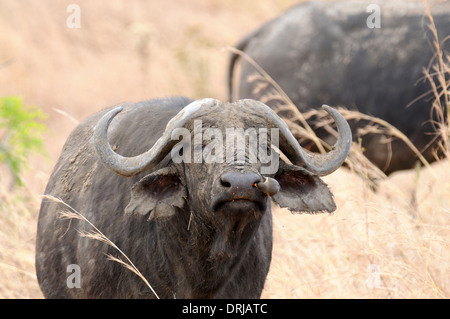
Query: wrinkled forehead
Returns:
{"type": "Point", "coordinates": [230, 115]}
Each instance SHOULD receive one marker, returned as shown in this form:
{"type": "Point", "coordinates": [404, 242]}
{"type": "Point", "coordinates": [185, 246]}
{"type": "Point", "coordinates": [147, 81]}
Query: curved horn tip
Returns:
{"type": "Point", "coordinates": [336, 115]}
{"type": "Point", "coordinates": [328, 108]}
{"type": "Point", "coordinates": [111, 114]}
{"type": "Point", "coordinates": [340, 150]}
{"type": "Point", "coordinates": [116, 110]}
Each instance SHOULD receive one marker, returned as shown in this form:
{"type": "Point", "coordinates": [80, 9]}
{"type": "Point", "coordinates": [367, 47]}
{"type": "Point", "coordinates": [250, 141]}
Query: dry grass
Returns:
{"type": "Point", "coordinates": [18, 220]}
{"type": "Point", "coordinates": [393, 243]}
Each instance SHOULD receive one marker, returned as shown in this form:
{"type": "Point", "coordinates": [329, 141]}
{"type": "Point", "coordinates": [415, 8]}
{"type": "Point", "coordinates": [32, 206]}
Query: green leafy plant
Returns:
{"type": "Point", "coordinates": [21, 129]}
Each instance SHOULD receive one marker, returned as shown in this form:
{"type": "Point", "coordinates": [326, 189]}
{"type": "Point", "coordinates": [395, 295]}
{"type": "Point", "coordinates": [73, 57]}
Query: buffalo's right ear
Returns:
{"type": "Point", "coordinates": [158, 193]}
{"type": "Point", "coordinates": [301, 191]}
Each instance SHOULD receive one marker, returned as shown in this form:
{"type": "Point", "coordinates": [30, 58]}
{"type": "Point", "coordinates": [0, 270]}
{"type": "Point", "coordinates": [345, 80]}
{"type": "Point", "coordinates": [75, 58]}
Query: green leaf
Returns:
{"type": "Point", "coordinates": [21, 129]}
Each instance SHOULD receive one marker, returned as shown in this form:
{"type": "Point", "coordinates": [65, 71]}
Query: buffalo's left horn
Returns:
{"type": "Point", "coordinates": [129, 166]}
{"type": "Point", "coordinates": [320, 164]}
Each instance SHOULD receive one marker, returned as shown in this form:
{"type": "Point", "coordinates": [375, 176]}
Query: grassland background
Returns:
{"type": "Point", "coordinates": [393, 243]}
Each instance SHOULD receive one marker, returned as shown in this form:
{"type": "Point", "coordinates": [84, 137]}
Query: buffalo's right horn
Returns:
{"type": "Point", "coordinates": [129, 166]}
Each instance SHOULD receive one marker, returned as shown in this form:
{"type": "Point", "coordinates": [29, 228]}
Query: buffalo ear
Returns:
{"type": "Point", "coordinates": [302, 191]}
{"type": "Point", "coordinates": [158, 193]}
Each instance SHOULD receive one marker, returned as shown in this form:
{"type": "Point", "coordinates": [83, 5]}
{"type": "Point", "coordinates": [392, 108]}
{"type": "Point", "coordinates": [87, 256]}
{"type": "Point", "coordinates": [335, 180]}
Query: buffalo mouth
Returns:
{"type": "Point", "coordinates": [239, 205]}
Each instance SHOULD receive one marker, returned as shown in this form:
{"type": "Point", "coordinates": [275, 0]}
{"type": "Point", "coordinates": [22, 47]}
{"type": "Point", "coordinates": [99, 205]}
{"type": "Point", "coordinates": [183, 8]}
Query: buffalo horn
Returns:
{"type": "Point", "coordinates": [129, 166]}
{"type": "Point", "coordinates": [320, 164]}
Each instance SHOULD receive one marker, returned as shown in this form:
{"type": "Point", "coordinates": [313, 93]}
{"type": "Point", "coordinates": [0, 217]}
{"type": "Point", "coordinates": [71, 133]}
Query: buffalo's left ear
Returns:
{"type": "Point", "coordinates": [302, 191]}
{"type": "Point", "coordinates": [158, 193]}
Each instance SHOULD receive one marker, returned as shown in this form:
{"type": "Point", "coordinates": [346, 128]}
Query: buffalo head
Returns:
{"type": "Point", "coordinates": [229, 195]}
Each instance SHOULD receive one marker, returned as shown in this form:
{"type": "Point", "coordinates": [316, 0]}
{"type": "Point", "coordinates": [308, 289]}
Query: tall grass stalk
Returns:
{"type": "Point", "coordinates": [442, 92]}
{"type": "Point", "coordinates": [98, 235]}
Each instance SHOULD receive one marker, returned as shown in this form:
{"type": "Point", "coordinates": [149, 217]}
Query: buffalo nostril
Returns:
{"type": "Point", "coordinates": [224, 183]}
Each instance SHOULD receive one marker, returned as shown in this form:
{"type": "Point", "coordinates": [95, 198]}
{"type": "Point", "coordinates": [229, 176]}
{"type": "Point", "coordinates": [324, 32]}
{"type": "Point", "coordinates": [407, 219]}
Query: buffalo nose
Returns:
{"type": "Point", "coordinates": [239, 181]}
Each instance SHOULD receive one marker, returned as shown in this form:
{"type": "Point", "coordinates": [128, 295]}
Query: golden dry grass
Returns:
{"type": "Point", "coordinates": [18, 220]}
{"type": "Point", "coordinates": [393, 243]}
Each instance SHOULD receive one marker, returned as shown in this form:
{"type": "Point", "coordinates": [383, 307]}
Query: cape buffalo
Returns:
{"type": "Point", "coordinates": [362, 55]}
{"type": "Point", "coordinates": [194, 228]}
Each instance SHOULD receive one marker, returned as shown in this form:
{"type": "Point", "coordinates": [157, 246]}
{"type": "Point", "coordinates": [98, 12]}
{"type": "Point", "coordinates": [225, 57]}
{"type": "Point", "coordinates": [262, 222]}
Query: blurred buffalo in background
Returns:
{"type": "Point", "coordinates": [366, 57]}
